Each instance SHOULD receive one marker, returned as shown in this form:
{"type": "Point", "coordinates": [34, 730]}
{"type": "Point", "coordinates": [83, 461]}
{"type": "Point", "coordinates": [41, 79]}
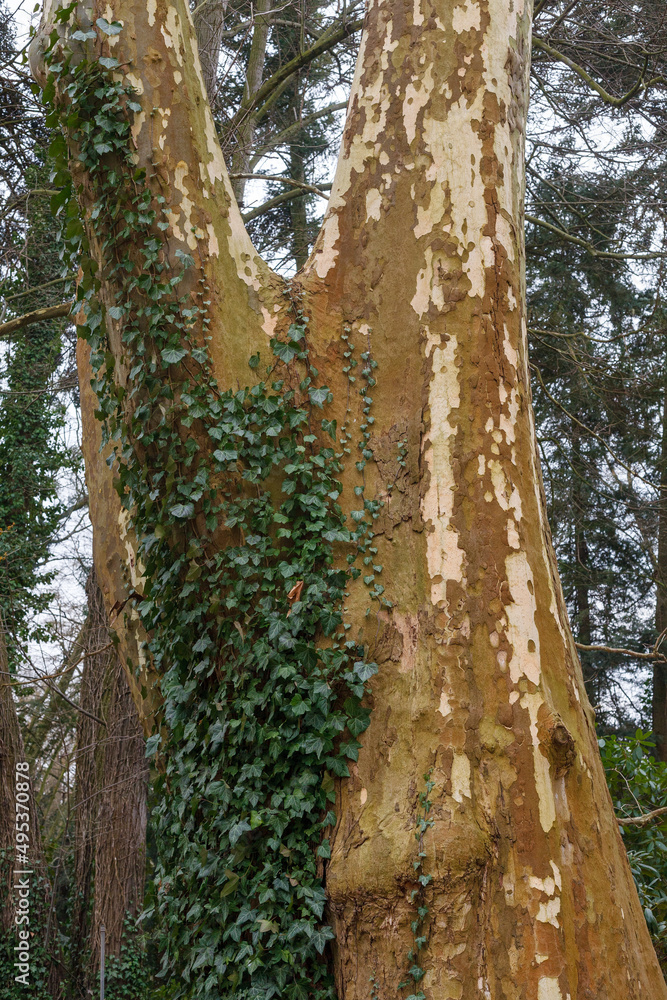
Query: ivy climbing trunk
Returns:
{"type": "Point", "coordinates": [475, 850]}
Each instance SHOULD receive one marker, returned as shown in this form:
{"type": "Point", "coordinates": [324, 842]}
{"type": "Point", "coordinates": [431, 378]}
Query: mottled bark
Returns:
{"type": "Point", "coordinates": [421, 256]}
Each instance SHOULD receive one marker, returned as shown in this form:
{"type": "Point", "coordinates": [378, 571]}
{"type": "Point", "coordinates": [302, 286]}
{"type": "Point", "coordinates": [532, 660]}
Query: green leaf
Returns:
{"type": "Point", "coordinates": [285, 352]}
{"type": "Point", "coordinates": [109, 28]}
{"type": "Point", "coordinates": [320, 396]}
{"type": "Point", "coordinates": [172, 355]}
{"type": "Point", "coordinates": [182, 510]}
{"type": "Point", "coordinates": [185, 258]}
{"type": "Point", "coordinates": [231, 884]}
{"type": "Point", "coordinates": [365, 671]}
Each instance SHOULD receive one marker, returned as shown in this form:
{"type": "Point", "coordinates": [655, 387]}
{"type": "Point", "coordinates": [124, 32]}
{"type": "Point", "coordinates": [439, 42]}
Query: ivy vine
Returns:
{"type": "Point", "coordinates": [424, 822]}
{"type": "Point", "coordinates": [262, 690]}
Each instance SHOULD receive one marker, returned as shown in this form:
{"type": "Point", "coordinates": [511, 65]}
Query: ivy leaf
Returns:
{"type": "Point", "coordinates": [324, 850]}
{"type": "Point", "coordinates": [116, 312]}
{"type": "Point", "coordinates": [172, 355]}
{"type": "Point", "coordinates": [268, 925]}
{"type": "Point", "coordinates": [320, 938]}
{"type": "Point", "coordinates": [285, 352]}
{"type": "Point", "coordinates": [225, 455]}
{"type": "Point", "coordinates": [320, 396]}
{"type": "Point", "coordinates": [358, 717]}
{"type": "Point", "coordinates": [109, 62]}
{"type": "Point", "coordinates": [329, 427]}
{"type": "Point", "coordinates": [313, 744]}
{"type": "Point", "coordinates": [329, 620]}
{"type": "Point", "coordinates": [182, 510]}
{"type": "Point", "coordinates": [109, 28]}
{"type": "Point", "coordinates": [255, 820]}
{"type": "Point", "coordinates": [365, 671]}
{"type": "Point", "coordinates": [185, 258]}
{"type": "Point", "coordinates": [152, 744]}
{"type": "Point", "coordinates": [82, 36]}
{"type": "Point", "coordinates": [230, 885]}
{"type": "Point", "coordinates": [237, 830]}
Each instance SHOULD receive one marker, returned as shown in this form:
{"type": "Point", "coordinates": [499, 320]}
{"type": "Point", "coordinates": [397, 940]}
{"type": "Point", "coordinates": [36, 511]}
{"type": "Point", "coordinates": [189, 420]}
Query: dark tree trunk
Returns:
{"type": "Point", "coordinates": [660, 669]}
{"type": "Point", "coordinates": [111, 785]}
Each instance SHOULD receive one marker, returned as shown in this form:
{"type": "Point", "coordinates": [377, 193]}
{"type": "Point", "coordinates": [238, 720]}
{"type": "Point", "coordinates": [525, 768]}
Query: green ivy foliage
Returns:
{"type": "Point", "coordinates": [39, 987]}
{"type": "Point", "coordinates": [638, 785]}
{"type": "Point", "coordinates": [262, 688]}
{"type": "Point", "coordinates": [31, 456]}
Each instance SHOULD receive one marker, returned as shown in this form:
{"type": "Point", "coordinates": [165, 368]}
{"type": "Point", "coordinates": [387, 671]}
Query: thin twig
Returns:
{"type": "Point", "coordinates": [623, 652]}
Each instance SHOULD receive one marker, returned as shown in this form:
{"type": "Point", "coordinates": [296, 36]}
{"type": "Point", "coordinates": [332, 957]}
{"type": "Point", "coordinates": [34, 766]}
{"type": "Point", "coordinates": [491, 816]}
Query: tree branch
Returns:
{"type": "Point", "coordinates": [36, 316]}
{"type": "Point", "coordinates": [615, 102]}
{"type": "Point", "coordinates": [641, 820]}
{"type": "Point", "coordinates": [268, 205]}
{"type": "Point", "coordinates": [602, 254]}
{"type": "Point", "coordinates": [277, 140]}
{"type": "Point", "coordinates": [327, 41]}
{"type": "Point", "coordinates": [623, 652]}
{"type": "Point", "coordinates": [283, 180]}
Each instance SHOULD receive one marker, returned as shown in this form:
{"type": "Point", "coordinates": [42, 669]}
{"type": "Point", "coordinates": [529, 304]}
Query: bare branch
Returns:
{"type": "Point", "coordinates": [282, 180]}
{"type": "Point", "coordinates": [623, 652]}
{"type": "Point", "coordinates": [36, 316]}
{"type": "Point", "coordinates": [616, 102]}
{"type": "Point", "coordinates": [641, 820]}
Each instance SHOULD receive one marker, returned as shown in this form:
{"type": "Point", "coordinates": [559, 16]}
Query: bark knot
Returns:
{"type": "Point", "coordinates": [557, 744]}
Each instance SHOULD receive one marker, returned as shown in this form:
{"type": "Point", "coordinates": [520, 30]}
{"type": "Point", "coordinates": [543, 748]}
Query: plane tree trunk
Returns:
{"type": "Point", "coordinates": [420, 263]}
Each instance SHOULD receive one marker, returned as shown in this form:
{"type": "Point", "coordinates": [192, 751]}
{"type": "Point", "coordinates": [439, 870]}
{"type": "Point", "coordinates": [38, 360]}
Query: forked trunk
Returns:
{"type": "Point", "coordinates": [420, 264]}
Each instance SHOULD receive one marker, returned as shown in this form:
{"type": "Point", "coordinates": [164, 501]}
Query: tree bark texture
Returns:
{"type": "Point", "coordinates": [110, 800]}
{"type": "Point", "coordinates": [209, 18]}
{"type": "Point", "coordinates": [659, 672]}
{"type": "Point", "coordinates": [421, 256]}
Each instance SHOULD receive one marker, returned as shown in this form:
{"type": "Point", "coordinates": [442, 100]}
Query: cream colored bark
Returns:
{"type": "Point", "coordinates": [421, 256]}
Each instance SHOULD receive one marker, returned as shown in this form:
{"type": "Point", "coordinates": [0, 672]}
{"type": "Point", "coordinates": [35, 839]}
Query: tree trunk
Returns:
{"type": "Point", "coordinates": [297, 207]}
{"type": "Point", "coordinates": [582, 570]}
{"type": "Point", "coordinates": [660, 669]}
{"type": "Point", "coordinates": [111, 777]}
{"type": "Point", "coordinates": [209, 18]}
{"type": "Point", "coordinates": [245, 133]}
{"type": "Point", "coordinates": [11, 752]}
{"type": "Point", "coordinates": [18, 869]}
{"type": "Point", "coordinates": [421, 257]}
